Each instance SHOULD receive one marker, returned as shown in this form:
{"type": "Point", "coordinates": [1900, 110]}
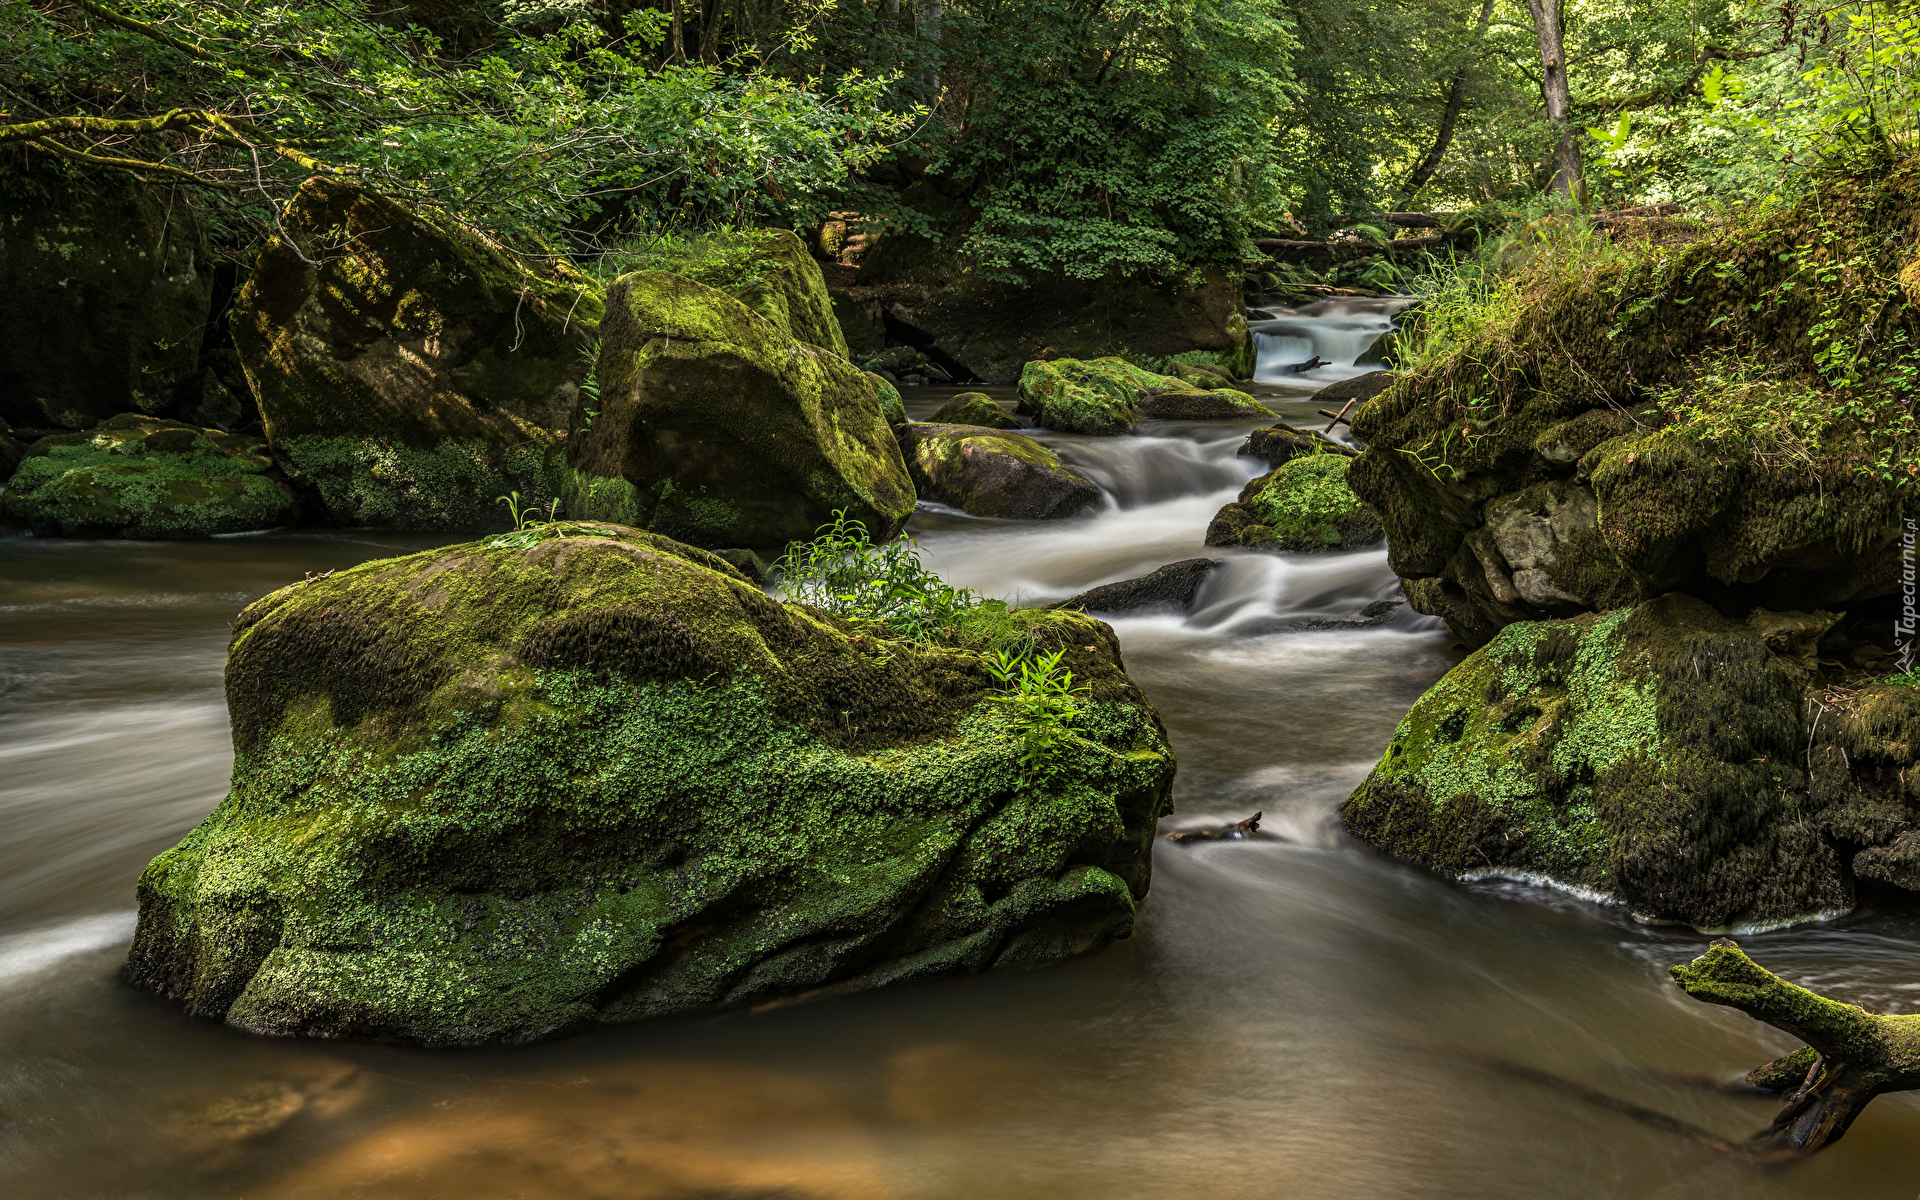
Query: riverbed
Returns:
{"type": "Point", "coordinates": [1294, 1016]}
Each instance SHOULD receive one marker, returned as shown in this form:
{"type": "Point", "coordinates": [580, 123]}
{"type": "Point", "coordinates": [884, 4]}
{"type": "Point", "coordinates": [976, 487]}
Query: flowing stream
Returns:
{"type": "Point", "coordinates": [1295, 1016]}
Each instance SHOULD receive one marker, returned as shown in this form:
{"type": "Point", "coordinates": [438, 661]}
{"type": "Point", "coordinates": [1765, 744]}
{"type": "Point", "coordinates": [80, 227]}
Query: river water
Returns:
{"type": "Point", "coordinates": [1294, 1017]}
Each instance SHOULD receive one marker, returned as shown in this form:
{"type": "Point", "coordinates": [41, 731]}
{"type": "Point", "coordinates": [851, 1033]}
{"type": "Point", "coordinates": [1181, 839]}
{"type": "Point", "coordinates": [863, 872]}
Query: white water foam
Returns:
{"type": "Point", "coordinates": [36, 950]}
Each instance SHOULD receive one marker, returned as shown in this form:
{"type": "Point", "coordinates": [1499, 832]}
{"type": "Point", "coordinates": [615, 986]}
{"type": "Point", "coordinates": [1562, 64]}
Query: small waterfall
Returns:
{"type": "Point", "coordinates": [1337, 331]}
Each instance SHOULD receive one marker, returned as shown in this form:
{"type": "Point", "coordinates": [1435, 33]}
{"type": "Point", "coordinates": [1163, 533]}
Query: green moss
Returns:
{"type": "Point", "coordinates": [1302, 505]}
{"type": "Point", "coordinates": [729, 432]}
{"type": "Point", "coordinates": [138, 477]}
{"type": "Point", "coordinates": [492, 795]}
{"type": "Point", "coordinates": [792, 293]}
{"type": "Point", "coordinates": [1658, 754]}
{"type": "Point", "coordinates": [973, 408]}
{"type": "Point", "coordinates": [993, 473]}
{"type": "Point", "coordinates": [453, 484]}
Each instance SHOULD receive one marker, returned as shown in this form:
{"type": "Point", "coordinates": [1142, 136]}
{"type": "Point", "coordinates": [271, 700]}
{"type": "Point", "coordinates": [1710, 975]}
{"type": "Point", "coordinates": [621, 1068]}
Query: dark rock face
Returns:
{"type": "Point", "coordinates": [105, 286]}
{"type": "Point", "coordinates": [1664, 755]}
{"type": "Point", "coordinates": [1282, 443]}
{"type": "Point", "coordinates": [729, 432]}
{"type": "Point", "coordinates": [489, 794]}
{"type": "Point", "coordinates": [1220, 404]}
{"type": "Point", "coordinates": [974, 408]}
{"type": "Point", "coordinates": [1360, 388]}
{"type": "Point", "coordinates": [141, 477]}
{"type": "Point", "coordinates": [991, 330]}
{"type": "Point", "coordinates": [1303, 505]}
{"type": "Point", "coordinates": [419, 371]}
{"type": "Point", "coordinates": [993, 473]}
{"type": "Point", "coordinates": [1173, 586]}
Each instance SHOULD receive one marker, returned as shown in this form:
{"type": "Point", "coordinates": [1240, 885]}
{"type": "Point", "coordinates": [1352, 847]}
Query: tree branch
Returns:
{"type": "Point", "coordinates": [131, 164]}
{"type": "Point", "coordinates": [166, 39]}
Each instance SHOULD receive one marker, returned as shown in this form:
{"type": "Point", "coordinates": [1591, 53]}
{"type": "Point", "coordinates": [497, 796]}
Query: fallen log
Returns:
{"type": "Point", "coordinates": [1341, 250]}
{"type": "Point", "coordinates": [1850, 1056]}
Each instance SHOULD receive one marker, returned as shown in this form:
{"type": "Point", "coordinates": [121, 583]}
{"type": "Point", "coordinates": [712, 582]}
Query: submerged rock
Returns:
{"type": "Point", "coordinates": [105, 287]}
{"type": "Point", "coordinates": [419, 371]}
{"type": "Point", "coordinates": [496, 794]}
{"type": "Point", "coordinates": [141, 477]}
{"type": "Point", "coordinates": [993, 473]}
{"type": "Point", "coordinates": [1304, 505]}
{"type": "Point", "coordinates": [974, 408]}
{"type": "Point", "coordinates": [1690, 765]}
{"type": "Point", "coordinates": [720, 430]}
{"type": "Point", "coordinates": [1173, 586]}
{"type": "Point", "coordinates": [1279, 444]}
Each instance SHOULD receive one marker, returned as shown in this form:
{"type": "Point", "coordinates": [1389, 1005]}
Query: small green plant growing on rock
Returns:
{"type": "Point", "coordinates": [532, 525]}
{"type": "Point", "coordinates": [842, 572]}
{"type": "Point", "coordinates": [1041, 698]}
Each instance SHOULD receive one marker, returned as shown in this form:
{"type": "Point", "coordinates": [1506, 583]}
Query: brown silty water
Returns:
{"type": "Point", "coordinates": [1294, 1016]}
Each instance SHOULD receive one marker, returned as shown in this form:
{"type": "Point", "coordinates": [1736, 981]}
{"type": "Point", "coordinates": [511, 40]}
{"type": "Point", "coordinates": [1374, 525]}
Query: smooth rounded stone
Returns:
{"type": "Point", "coordinates": [993, 473]}
{"type": "Point", "coordinates": [1173, 586]}
{"type": "Point", "coordinates": [421, 370]}
{"type": "Point", "coordinates": [136, 476]}
{"type": "Point", "coordinates": [973, 408]}
{"type": "Point", "coordinates": [1359, 389]}
{"type": "Point", "coordinates": [1220, 404]}
{"type": "Point", "coordinates": [1282, 443]}
{"type": "Point", "coordinates": [1690, 765]}
{"type": "Point", "coordinates": [729, 432]}
{"type": "Point", "coordinates": [1302, 505]}
{"type": "Point", "coordinates": [494, 793]}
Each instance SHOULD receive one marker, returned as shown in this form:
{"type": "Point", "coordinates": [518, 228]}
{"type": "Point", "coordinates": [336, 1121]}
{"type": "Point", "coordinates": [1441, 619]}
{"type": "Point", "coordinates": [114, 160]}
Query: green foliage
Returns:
{"type": "Point", "coordinates": [1042, 704]}
{"type": "Point", "coordinates": [534, 524]}
{"type": "Point", "coordinates": [841, 571]}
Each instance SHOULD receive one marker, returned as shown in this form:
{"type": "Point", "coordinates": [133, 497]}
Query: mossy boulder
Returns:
{"type": "Point", "coordinates": [892, 407]}
{"type": "Point", "coordinates": [417, 372]}
{"type": "Point", "coordinates": [719, 429]}
{"type": "Point", "coordinates": [1304, 504]}
{"type": "Point", "coordinates": [1217, 404]}
{"type": "Point", "coordinates": [105, 287]}
{"type": "Point", "coordinates": [974, 408]}
{"type": "Point", "coordinates": [1667, 418]}
{"type": "Point", "coordinates": [1687, 764]}
{"type": "Point", "coordinates": [141, 477]}
{"type": "Point", "coordinates": [993, 473]}
{"type": "Point", "coordinates": [1280, 443]}
{"type": "Point", "coordinates": [1107, 395]}
{"type": "Point", "coordinates": [792, 293]}
{"type": "Point", "coordinates": [495, 794]}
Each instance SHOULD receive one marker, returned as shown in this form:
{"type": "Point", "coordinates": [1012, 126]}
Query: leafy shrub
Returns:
{"type": "Point", "coordinates": [1039, 694]}
{"type": "Point", "coordinates": [842, 572]}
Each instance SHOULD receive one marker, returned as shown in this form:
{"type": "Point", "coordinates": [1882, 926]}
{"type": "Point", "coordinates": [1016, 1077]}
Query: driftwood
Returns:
{"type": "Point", "coordinates": [1850, 1056]}
{"type": "Point", "coordinates": [1342, 249]}
{"type": "Point", "coordinates": [1235, 832]}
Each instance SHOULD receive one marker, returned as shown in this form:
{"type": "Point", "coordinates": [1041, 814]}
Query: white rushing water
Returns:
{"type": "Point", "coordinates": [1336, 331]}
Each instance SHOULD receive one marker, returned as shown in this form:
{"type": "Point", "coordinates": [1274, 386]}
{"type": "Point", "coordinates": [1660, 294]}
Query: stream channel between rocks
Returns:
{"type": "Point", "coordinates": [1294, 1016]}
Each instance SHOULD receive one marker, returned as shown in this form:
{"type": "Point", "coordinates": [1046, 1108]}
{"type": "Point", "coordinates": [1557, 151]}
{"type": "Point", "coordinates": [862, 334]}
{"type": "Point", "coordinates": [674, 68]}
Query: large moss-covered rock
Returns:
{"type": "Point", "coordinates": [993, 473]}
{"type": "Point", "coordinates": [418, 371]}
{"type": "Point", "coordinates": [1281, 443]}
{"type": "Point", "coordinates": [792, 293]}
{"type": "Point", "coordinates": [1689, 765]}
{"type": "Point", "coordinates": [105, 285]}
{"type": "Point", "coordinates": [719, 429]}
{"type": "Point", "coordinates": [141, 477]}
{"type": "Point", "coordinates": [1672, 418]}
{"type": "Point", "coordinates": [495, 794]}
{"type": "Point", "coordinates": [1304, 504]}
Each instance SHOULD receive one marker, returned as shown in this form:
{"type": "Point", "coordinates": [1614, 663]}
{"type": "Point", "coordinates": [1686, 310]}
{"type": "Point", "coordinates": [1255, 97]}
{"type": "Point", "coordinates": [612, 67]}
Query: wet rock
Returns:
{"type": "Point", "coordinates": [1236, 832]}
{"type": "Point", "coordinates": [1302, 505]}
{"type": "Point", "coordinates": [1173, 586]}
{"type": "Point", "coordinates": [420, 370]}
{"type": "Point", "coordinates": [1281, 443]}
{"type": "Point", "coordinates": [993, 473]}
{"type": "Point", "coordinates": [1380, 612]}
{"type": "Point", "coordinates": [1359, 389]}
{"type": "Point", "coordinates": [105, 286]}
{"type": "Point", "coordinates": [974, 408]}
{"type": "Point", "coordinates": [1897, 863]}
{"type": "Point", "coordinates": [729, 433]}
{"type": "Point", "coordinates": [1220, 404]}
{"type": "Point", "coordinates": [1685, 763]}
{"type": "Point", "coordinates": [732, 800]}
{"type": "Point", "coordinates": [141, 477]}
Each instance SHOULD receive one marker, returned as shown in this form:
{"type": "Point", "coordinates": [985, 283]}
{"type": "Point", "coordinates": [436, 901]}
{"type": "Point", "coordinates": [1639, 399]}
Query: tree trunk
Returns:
{"type": "Point", "coordinates": [926, 21]}
{"type": "Point", "coordinates": [1852, 1056]}
{"type": "Point", "coordinates": [1568, 178]}
{"type": "Point", "coordinates": [676, 39]}
{"type": "Point", "coordinates": [1449, 117]}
